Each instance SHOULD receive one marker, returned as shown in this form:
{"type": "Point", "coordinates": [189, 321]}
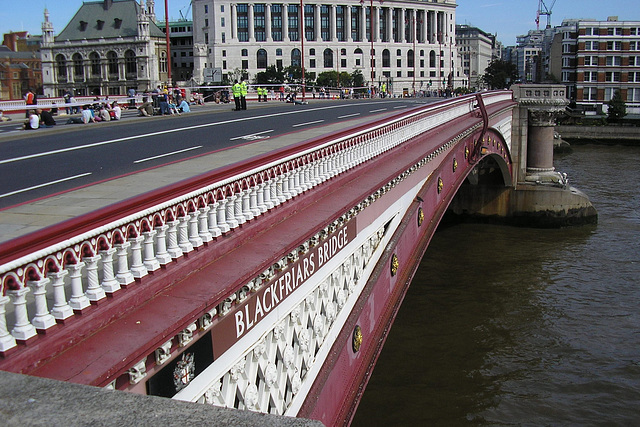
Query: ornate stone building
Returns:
{"type": "Point", "coordinates": [108, 47]}
{"type": "Point", "coordinates": [413, 41]}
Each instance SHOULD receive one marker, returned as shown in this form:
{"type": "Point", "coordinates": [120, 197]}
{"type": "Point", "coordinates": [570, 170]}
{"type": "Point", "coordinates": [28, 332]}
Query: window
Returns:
{"type": "Point", "coordinates": [78, 68]}
{"type": "Point", "coordinates": [276, 22]}
{"type": "Point", "coordinates": [588, 31]}
{"type": "Point", "coordinates": [244, 52]}
{"type": "Point", "coordinates": [243, 22]}
{"type": "Point", "coordinates": [206, 22]}
{"type": "Point", "coordinates": [612, 77]}
{"type": "Point", "coordinates": [613, 60]}
{"type": "Point", "coordinates": [634, 77]}
{"type": "Point", "coordinates": [61, 65]}
{"type": "Point", "coordinates": [590, 45]}
{"type": "Point", "coordinates": [312, 63]}
{"type": "Point", "coordinates": [328, 58]}
{"type": "Point", "coordinates": [590, 76]}
{"type": "Point", "coordinates": [312, 52]}
{"type": "Point", "coordinates": [278, 52]}
{"type": "Point", "coordinates": [293, 24]}
{"type": "Point", "coordinates": [206, 38]}
{"type": "Point", "coordinates": [399, 74]}
{"type": "Point", "coordinates": [611, 45]}
{"type": "Point", "coordinates": [410, 59]}
{"type": "Point", "coordinates": [206, 8]}
{"type": "Point", "coordinates": [633, 94]}
{"type": "Point", "coordinates": [358, 57]}
{"type": "Point", "coordinates": [343, 63]}
{"type": "Point", "coordinates": [112, 63]}
{"type": "Point", "coordinates": [223, 36]}
{"type": "Point", "coordinates": [261, 59]}
{"type": "Point", "coordinates": [94, 59]}
{"type": "Point", "coordinates": [590, 94]}
{"type": "Point", "coordinates": [633, 45]}
{"type": "Point", "coordinates": [399, 63]}
{"type": "Point", "coordinates": [386, 58]}
{"type": "Point", "coordinates": [245, 64]}
{"type": "Point", "coordinates": [591, 61]}
{"type": "Point", "coordinates": [295, 57]}
{"type": "Point", "coordinates": [340, 35]}
{"type": "Point", "coordinates": [222, 21]}
{"type": "Point", "coordinates": [608, 93]}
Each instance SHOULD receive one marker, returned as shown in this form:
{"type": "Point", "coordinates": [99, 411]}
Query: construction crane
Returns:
{"type": "Point", "coordinates": [183, 17]}
{"type": "Point", "coordinates": [544, 10]}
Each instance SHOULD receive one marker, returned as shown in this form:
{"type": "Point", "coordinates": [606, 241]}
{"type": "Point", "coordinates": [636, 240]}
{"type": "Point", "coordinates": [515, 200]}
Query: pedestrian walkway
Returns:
{"type": "Point", "coordinates": [33, 216]}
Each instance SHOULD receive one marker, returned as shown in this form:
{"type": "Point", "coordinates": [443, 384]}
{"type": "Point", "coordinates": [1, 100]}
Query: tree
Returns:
{"type": "Point", "coordinates": [500, 74]}
{"type": "Point", "coordinates": [617, 108]}
{"type": "Point", "coordinates": [270, 76]}
{"type": "Point", "coordinates": [357, 79]}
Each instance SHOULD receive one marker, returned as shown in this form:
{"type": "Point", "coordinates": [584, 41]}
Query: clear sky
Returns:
{"type": "Point", "coordinates": [507, 18]}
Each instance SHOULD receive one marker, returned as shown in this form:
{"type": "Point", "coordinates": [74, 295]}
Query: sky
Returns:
{"type": "Point", "coordinates": [506, 18]}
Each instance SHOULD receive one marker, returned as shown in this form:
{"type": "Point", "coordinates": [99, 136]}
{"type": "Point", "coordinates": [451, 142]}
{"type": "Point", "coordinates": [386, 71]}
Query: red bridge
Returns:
{"type": "Point", "coordinates": [267, 285]}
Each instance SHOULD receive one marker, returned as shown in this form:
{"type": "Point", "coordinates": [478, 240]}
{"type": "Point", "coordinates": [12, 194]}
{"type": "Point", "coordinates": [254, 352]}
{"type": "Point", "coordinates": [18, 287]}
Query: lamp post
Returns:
{"type": "Point", "coordinates": [371, 36]}
{"type": "Point", "coordinates": [166, 28]}
{"type": "Point", "coordinates": [302, 27]}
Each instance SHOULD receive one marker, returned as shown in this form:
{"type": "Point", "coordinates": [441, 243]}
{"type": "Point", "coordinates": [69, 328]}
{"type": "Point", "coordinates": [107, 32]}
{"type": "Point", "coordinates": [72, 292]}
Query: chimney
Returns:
{"type": "Point", "coordinates": [107, 4]}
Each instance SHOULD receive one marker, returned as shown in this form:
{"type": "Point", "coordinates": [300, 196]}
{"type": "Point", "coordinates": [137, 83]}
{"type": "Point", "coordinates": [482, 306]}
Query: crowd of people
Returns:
{"type": "Point", "coordinates": [98, 112]}
{"type": "Point", "coordinates": [38, 118]}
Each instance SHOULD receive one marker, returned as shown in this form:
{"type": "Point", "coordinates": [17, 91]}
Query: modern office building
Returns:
{"type": "Point", "coordinates": [407, 44]}
{"type": "Point", "coordinates": [181, 38]}
{"type": "Point", "coordinates": [108, 47]}
{"type": "Point", "coordinates": [477, 49]}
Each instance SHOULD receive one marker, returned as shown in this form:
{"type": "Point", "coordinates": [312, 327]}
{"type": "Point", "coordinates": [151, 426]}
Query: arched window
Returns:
{"type": "Point", "coordinates": [130, 62]}
{"type": "Point", "coordinates": [328, 58]}
{"type": "Point", "coordinates": [410, 58]}
{"type": "Point", "coordinates": [244, 52]}
{"type": "Point", "coordinates": [78, 67]}
{"type": "Point", "coordinates": [386, 58]}
{"type": "Point", "coordinates": [295, 57]}
{"type": "Point", "coordinates": [261, 57]}
{"type": "Point", "coordinates": [163, 62]}
{"type": "Point", "coordinates": [61, 65]}
{"type": "Point", "coordinates": [432, 59]}
{"type": "Point", "coordinates": [112, 63]}
{"type": "Point", "coordinates": [94, 58]}
{"type": "Point", "coordinates": [358, 57]}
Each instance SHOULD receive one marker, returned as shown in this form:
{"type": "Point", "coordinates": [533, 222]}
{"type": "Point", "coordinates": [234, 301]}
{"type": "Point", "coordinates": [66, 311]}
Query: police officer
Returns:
{"type": "Point", "coordinates": [244, 89]}
{"type": "Point", "coordinates": [236, 90]}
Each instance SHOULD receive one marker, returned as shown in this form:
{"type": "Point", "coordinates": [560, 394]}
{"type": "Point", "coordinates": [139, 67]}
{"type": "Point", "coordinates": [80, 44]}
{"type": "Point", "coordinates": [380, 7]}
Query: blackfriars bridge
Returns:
{"type": "Point", "coordinates": [271, 284]}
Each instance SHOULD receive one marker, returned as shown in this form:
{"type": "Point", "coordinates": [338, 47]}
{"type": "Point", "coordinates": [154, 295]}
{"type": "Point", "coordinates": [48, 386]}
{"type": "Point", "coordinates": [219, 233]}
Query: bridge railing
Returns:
{"type": "Point", "coordinates": [57, 273]}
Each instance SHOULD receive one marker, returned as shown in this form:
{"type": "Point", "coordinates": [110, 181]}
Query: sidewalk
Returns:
{"type": "Point", "coordinates": [30, 217]}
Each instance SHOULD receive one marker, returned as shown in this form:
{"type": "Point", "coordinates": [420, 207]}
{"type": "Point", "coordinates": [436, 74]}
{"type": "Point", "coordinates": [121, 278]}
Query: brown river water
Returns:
{"type": "Point", "coordinates": [514, 326]}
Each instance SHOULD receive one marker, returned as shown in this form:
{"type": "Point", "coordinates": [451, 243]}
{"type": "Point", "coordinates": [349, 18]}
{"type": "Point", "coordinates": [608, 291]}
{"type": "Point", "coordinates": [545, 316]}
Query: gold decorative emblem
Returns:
{"type": "Point", "coordinates": [357, 338]}
{"type": "Point", "coordinates": [466, 152]}
{"type": "Point", "coordinates": [440, 185]}
{"type": "Point", "coordinates": [394, 264]}
{"type": "Point", "coordinates": [420, 216]}
{"type": "Point", "coordinates": [455, 165]}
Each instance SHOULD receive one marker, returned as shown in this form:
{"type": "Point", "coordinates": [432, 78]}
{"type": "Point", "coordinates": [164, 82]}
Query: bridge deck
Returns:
{"type": "Point", "coordinates": [30, 217]}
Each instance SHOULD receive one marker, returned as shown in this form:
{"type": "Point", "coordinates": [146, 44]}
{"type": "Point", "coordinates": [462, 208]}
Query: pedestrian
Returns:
{"type": "Point", "coordinates": [46, 118]}
{"type": "Point", "coordinates": [29, 99]}
{"type": "Point", "coordinates": [132, 98]}
{"type": "Point", "coordinates": [236, 90]}
{"type": "Point", "coordinates": [33, 121]}
{"type": "Point", "coordinates": [184, 106]}
{"type": "Point", "coordinates": [281, 93]}
{"type": "Point", "coordinates": [244, 90]}
{"type": "Point", "coordinates": [116, 111]}
{"type": "Point", "coordinates": [146, 108]}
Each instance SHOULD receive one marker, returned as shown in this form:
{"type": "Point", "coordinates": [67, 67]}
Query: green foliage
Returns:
{"type": "Point", "coordinates": [270, 76]}
{"type": "Point", "coordinates": [357, 79]}
{"type": "Point", "coordinates": [617, 108]}
{"type": "Point", "coordinates": [500, 74]}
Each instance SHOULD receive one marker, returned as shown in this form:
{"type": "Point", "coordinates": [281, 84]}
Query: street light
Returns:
{"type": "Point", "coordinates": [372, 36]}
{"type": "Point", "coordinates": [166, 28]}
{"type": "Point", "coordinates": [301, 26]}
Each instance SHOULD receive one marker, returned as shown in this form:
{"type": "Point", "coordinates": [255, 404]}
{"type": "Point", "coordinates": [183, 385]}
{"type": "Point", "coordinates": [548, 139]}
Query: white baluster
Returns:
{"type": "Point", "coordinates": [260, 192]}
{"type": "Point", "coordinates": [109, 282]}
{"type": "Point", "coordinates": [246, 204]}
{"type": "Point", "coordinates": [78, 300]}
{"type": "Point", "coordinates": [203, 224]}
{"type": "Point", "coordinates": [150, 260]}
{"type": "Point", "coordinates": [292, 181]}
{"type": "Point", "coordinates": [42, 320]}
{"type": "Point", "coordinates": [239, 216]}
{"type": "Point", "coordinates": [7, 341]}
{"type": "Point", "coordinates": [172, 236]}
{"type": "Point", "coordinates": [60, 310]}
{"type": "Point", "coordinates": [214, 228]}
{"type": "Point", "coordinates": [183, 234]}
{"type": "Point", "coordinates": [138, 268]}
{"type": "Point", "coordinates": [22, 329]}
{"type": "Point", "coordinates": [94, 290]}
{"type": "Point", "coordinates": [162, 255]}
{"type": "Point", "coordinates": [285, 194]}
{"type": "Point", "coordinates": [231, 220]}
{"type": "Point", "coordinates": [124, 275]}
{"type": "Point", "coordinates": [222, 216]}
{"type": "Point", "coordinates": [192, 228]}
{"type": "Point", "coordinates": [273, 191]}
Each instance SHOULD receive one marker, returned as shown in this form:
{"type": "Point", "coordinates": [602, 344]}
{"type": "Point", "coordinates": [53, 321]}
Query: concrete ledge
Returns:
{"type": "Point", "coordinates": [599, 133]}
{"type": "Point", "coordinates": [32, 401]}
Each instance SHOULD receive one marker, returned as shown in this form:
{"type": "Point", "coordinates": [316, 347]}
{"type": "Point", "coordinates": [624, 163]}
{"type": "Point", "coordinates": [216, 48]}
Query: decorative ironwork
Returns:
{"type": "Point", "coordinates": [440, 185]}
{"type": "Point", "coordinates": [184, 371]}
{"type": "Point", "coordinates": [466, 152]}
{"type": "Point", "coordinates": [420, 216]}
{"type": "Point", "coordinates": [357, 338]}
{"type": "Point", "coordinates": [394, 265]}
{"type": "Point", "coordinates": [455, 165]}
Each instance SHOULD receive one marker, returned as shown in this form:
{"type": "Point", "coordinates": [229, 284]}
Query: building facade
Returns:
{"type": "Point", "coordinates": [20, 65]}
{"type": "Point", "coordinates": [607, 60]}
{"type": "Point", "coordinates": [410, 44]}
{"type": "Point", "coordinates": [477, 49]}
{"type": "Point", "coordinates": [181, 38]}
{"type": "Point", "coordinates": [108, 47]}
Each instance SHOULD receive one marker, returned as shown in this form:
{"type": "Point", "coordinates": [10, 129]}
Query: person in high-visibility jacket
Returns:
{"type": "Point", "coordinates": [236, 90]}
{"type": "Point", "coordinates": [244, 89]}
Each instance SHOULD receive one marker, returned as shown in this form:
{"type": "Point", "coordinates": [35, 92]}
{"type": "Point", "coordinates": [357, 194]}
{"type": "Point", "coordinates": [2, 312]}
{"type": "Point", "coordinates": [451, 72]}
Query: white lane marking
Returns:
{"type": "Point", "coordinates": [147, 135]}
{"type": "Point", "coordinates": [307, 123]}
{"type": "Point", "coordinates": [44, 185]}
{"type": "Point", "coordinates": [378, 110]}
{"type": "Point", "coordinates": [253, 135]}
{"type": "Point", "coordinates": [400, 106]}
{"type": "Point", "coordinates": [349, 115]}
{"type": "Point", "coordinates": [167, 154]}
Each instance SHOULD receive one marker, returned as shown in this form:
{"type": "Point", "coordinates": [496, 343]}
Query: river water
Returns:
{"type": "Point", "coordinates": [518, 326]}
